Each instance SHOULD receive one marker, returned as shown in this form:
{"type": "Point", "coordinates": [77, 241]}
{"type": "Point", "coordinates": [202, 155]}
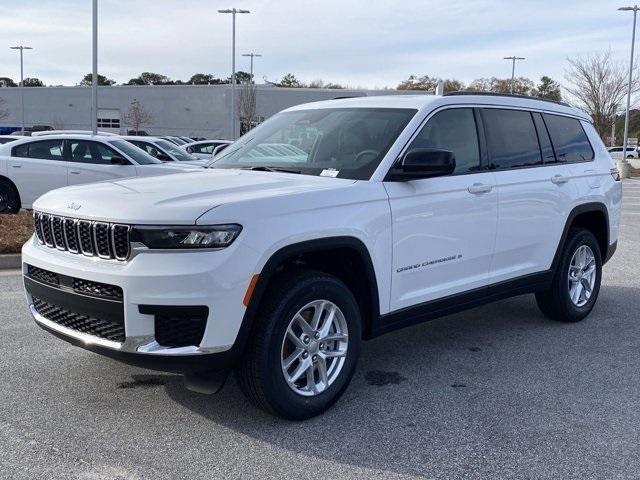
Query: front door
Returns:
{"type": "Point", "coordinates": [443, 228]}
{"type": "Point", "coordinates": [91, 162]}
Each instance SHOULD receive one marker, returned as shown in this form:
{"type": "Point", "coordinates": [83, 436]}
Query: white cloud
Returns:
{"type": "Point", "coordinates": [357, 42]}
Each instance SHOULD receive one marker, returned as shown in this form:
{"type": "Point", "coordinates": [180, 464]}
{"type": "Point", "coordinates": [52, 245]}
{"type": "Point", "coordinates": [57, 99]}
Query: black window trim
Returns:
{"type": "Point", "coordinates": [41, 140]}
{"type": "Point", "coordinates": [482, 146]}
{"type": "Point", "coordinates": [558, 161]}
{"type": "Point", "coordinates": [542, 113]}
{"type": "Point", "coordinates": [69, 157]}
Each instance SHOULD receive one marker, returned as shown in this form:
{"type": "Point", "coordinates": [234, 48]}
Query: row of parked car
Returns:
{"type": "Point", "coordinates": [32, 166]}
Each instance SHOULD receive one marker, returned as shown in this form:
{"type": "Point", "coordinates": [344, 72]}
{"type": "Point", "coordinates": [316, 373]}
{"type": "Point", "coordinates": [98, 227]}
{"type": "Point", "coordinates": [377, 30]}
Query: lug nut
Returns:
{"type": "Point", "coordinates": [305, 339]}
{"type": "Point", "coordinates": [314, 358]}
{"type": "Point", "coordinates": [322, 346]}
{"type": "Point", "coordinates": [317, 335]}
{"type": "Point", "coordinates": [305, 354]}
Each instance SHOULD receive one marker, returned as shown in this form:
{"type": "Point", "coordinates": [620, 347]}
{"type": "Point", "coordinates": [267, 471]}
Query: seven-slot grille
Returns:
{"type": "Point", "coordinates": [93, 239]}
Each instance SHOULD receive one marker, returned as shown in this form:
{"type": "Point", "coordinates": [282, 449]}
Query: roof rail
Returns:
{"type": "Point", "coordinates": [511, 95]}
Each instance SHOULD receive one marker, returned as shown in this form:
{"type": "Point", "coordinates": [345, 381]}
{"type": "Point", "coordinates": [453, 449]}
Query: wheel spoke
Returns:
{"type": "Point", "coordinates": [311, 380]}
{"type": "Point", "coordinates": [333, 353]}
{"type": "Point", "coordinates": [294, 338]}
{"type": "Point", "coordinates": [303, 324]}
{"type": "Point", "coordinates": [287, 362]}
{"type": "Point", "coordinates": [324, 331]}
{"type": "Point", "coordinates": [336, 337]}
{"type": "Point", "coordinates": [576, 293]}
{"type": "Point", "coordinates": [300, 369]}
{"type": "Point", "coordinates": [317, 314]}
{"type": "Point", "coordinates": [586, 285]}
{"type": "Point", "coordinates": [322, 372]}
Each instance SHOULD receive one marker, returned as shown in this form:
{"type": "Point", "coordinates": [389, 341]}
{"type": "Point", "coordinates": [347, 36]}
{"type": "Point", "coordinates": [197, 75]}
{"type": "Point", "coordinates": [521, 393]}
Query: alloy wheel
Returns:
{"type": "Point", "coordinates": [582, 275]}
{"type": "Point", "coordinates": [314, 348]}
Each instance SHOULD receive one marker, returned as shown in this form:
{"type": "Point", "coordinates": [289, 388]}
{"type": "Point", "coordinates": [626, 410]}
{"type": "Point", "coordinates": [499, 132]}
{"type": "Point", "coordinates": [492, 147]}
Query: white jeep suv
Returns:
{"type": "Point", "coordinates": [402, 209]}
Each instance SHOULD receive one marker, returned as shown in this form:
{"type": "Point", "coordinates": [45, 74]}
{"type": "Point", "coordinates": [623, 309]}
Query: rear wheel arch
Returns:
{"type": "Point", "coordinates": [12, 186]}
{"type": "Point", "coordinates": [592, 216]}
{"type": "Point", "coordinates": [332, 255]}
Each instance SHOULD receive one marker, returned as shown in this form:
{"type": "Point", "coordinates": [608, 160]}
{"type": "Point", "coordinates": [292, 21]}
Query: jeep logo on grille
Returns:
{"type": "Point", "coordinates": [74, 206]}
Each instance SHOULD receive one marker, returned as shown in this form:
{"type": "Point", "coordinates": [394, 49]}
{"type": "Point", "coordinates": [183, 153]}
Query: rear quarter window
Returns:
{"type": "Point", "coordinates": [569, 139]}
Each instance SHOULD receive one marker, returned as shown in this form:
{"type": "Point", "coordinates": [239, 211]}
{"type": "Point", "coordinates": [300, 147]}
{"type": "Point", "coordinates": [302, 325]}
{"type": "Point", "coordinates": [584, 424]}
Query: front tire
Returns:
{"type": "Point", "coordinates": [304, 349]}
{"type": "Point", "coordinates": [576, 282]}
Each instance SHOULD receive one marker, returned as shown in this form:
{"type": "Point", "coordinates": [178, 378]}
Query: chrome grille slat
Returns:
{"type": "Point", "coordinates": [108, 241]}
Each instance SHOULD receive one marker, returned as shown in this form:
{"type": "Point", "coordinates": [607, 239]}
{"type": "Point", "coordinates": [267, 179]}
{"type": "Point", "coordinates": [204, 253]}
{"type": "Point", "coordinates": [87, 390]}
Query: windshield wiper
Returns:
{"type": "Point", "coordinates": [264, 168]}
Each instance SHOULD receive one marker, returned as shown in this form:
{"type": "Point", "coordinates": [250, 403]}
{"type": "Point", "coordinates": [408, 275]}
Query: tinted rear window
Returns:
{"type": "Point", "coordinates": [511, 138]}
{"type": "Point", "coordinates": [569, 139]}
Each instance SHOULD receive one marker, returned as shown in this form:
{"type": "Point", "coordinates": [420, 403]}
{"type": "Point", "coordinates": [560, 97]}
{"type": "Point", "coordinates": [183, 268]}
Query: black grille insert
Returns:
{"type": "Point", "coordinates": [105, 240]}
{"type": "Point", "coordinates": [97, 289]}
{"type": "Point", "coordinates": [44, 276]}
{"type": "Point", "coordinates": [81, 323]}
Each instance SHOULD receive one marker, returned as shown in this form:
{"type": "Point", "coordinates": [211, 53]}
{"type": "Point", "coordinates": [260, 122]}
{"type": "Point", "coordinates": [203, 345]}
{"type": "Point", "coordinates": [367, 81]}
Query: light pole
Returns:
{"type": "Point", "coordinates": [252, 55]}
{"type": "Point", "coordinates": [513, 69]}
{"type": "Point", "coordinates": [233, 12]}
{"type": "Point", "coordinates": [634, 9]}
{"type": "Point", "coordinates": [94, 74]}
{"type": "Point", "coordinates": [22, 48]}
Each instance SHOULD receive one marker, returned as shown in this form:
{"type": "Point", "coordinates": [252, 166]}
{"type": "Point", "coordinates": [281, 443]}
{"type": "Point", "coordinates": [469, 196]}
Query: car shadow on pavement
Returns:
{"type": "Point", "coordinates": [450, 390]}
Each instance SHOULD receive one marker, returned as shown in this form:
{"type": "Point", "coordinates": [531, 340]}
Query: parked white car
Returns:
{"type": "Point", "coordinates": [399, 210]}
{"type": "Point", "coordinates": [32, 166]}
{"type": "Point", "coordinates": [204, 149]}
{"type": "Point", "coordinates": [618, 152]}
{"type": "Point", "coordinates": [164, 150]}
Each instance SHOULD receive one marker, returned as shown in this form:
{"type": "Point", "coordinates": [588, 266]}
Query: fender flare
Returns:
{"type": "Point", "coordinates": [579, 210]}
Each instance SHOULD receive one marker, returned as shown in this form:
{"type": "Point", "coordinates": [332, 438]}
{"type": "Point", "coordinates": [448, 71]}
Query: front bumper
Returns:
{"type": "Point", "coordinates": [163, 280]}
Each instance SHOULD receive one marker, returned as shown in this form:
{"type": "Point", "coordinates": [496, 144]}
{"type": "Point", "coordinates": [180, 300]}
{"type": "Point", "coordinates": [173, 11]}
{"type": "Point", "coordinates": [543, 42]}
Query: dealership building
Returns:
{"type": "Point", "coordinates": [187, 110]}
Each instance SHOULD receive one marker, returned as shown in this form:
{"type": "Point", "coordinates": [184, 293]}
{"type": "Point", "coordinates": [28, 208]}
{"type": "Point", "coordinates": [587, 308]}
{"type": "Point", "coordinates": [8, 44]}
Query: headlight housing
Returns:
{"type": "Point", "coordinates": [186, 237]}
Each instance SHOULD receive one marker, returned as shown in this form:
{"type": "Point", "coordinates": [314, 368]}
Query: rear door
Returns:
{"type": "Point", "coordinates": [37, 167]}
{"type": "Point", "coordinates": [92, 162]}
{"type": "Point", "coordinates": [443, 228]}
{"type": "Point", "coordinates": [535, 192]}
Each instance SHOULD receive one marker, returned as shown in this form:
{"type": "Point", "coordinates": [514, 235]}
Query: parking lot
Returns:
{"type": "Point", "coordinates": [495, 392]}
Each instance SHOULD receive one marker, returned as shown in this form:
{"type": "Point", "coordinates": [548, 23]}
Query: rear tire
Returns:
{"type": "Point", "coordinates": [329, 349]}
{"type": "Point", "coordinates": [576, 282]}
{"type": "Point", "coordinates": [9, 199]}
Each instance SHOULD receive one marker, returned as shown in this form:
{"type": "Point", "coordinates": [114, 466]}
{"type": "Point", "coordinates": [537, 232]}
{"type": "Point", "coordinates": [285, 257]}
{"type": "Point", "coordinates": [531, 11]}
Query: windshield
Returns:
{"type": "Point", "coordinates": [176, 152]}
{"type": "Point", "coordinates": [136, 154]}
{"type": "Point", "coordinates": [340, 142]}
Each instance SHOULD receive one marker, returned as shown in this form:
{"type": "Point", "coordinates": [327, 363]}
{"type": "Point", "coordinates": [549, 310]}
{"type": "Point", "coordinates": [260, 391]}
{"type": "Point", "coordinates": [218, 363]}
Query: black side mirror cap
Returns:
{"type": "Point", "coordinates": [420, 163]}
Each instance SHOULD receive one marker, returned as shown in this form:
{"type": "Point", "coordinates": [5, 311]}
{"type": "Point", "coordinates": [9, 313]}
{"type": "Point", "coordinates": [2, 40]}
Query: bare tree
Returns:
{"type": "Point", "coordinates": [137, 116]}
{"type": "Point", "coordinates": [4, 113]}
{"type": "Point", "coordinates": [247, 106]}
{"type": "Point", "coordinates": [598, 85]}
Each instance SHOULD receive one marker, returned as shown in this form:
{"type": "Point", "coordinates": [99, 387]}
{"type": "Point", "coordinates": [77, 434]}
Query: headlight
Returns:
{"type": "Point", "coordinates": [217, 236]}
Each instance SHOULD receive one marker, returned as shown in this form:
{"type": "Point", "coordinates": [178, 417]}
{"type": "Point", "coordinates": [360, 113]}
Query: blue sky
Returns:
{"type": "Point", "coordinates": [362, 43]}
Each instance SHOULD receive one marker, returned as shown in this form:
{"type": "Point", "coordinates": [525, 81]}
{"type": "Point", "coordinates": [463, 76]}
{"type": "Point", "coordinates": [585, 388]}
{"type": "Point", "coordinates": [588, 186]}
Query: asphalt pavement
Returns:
{"type": "Point", "coordinates": [495, 392]}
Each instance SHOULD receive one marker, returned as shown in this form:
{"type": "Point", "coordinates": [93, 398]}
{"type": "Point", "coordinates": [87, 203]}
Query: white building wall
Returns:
{"type": "Point", "coordinates": [189, 110]}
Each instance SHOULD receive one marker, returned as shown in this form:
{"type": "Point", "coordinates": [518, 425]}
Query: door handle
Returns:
{"type": "Point", "coordinates": [16, 166]}
{"type": "Point", "coordinates": [559, 179]}
{"type": "Point", "coordinates": [480, 188]}
{"type": "Point", "coordinates": [74, 172]}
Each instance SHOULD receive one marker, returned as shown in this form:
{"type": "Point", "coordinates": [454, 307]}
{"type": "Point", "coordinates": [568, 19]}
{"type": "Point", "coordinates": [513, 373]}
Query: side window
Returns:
{"type": "Point", "coordinates": [454, 130]}
{"type": "Point", "coordinates": [43, 150]}
{"type": "Point", "coordinates": [569, 140]}
{"type": "Point", "coordinates": [203, 148]}
{"type": "Point", "coordinates": [512, 141]}
{"type": "Point", "coordinates": [20, 151]}
{"type": "Point", "coordinates": [147, 147]}
{"type": "Point", "coordinates": [543, 137]}
{"type": "Point", "coordinates": [91, 152]}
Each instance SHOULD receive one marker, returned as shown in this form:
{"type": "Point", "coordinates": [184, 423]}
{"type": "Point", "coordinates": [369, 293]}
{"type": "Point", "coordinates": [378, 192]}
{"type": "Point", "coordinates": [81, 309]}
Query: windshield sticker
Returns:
{"type": "Point", "coordinates": [329, 172]}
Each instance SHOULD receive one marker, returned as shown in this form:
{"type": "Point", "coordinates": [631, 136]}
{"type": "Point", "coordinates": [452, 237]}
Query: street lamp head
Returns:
{"type": "Point", "coordinates": [233, 10]}
{"type": "Point", "coordinates": [225, 11]}
{"type": "Point", "coordinates": [20, 47]}
{"type": "Point", "coordinates": [244, 11]}
{"type": "Point", "coordinates": [628, 9]}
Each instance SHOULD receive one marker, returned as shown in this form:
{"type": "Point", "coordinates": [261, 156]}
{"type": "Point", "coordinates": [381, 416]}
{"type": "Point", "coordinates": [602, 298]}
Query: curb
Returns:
{"type": "Point", "coordinates": [10, 261]}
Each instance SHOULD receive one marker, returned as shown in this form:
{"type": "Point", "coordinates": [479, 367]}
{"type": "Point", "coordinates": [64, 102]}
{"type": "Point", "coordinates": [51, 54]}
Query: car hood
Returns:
{"type": "Point", "coordinates": [175, 199]}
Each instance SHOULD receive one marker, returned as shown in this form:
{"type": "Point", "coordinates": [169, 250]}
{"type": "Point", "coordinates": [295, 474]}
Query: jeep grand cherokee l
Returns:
{"type": "Point", "coordinates": [398, 210]}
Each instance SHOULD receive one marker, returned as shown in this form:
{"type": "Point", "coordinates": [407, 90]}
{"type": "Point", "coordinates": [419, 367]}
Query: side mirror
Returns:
{"type": "Point", "coordinates": [190, 149]}
{"type": "Point", "coordinates": [118, 160]}
{"type": "Point", "coordinates": [420, 163]}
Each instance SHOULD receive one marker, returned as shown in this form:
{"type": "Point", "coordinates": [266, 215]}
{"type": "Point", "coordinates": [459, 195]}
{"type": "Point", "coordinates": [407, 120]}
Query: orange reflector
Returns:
{"type": "Point", "coordinates": [250, 288]}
